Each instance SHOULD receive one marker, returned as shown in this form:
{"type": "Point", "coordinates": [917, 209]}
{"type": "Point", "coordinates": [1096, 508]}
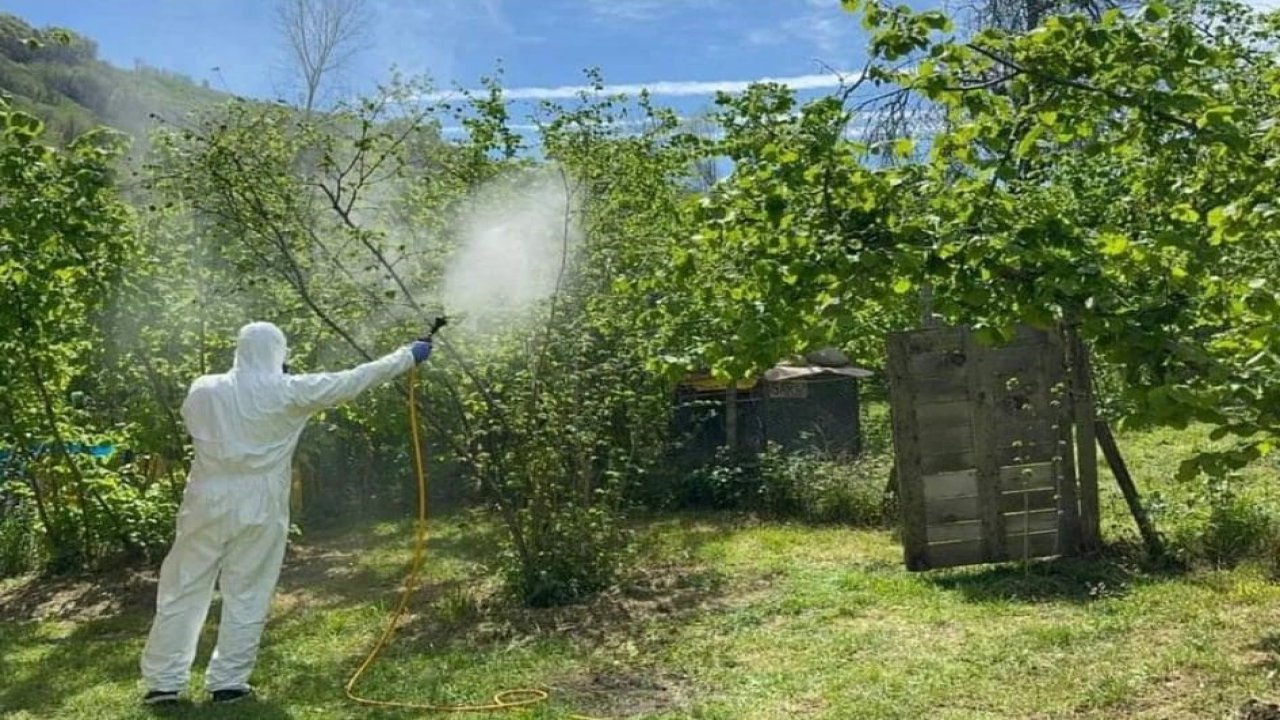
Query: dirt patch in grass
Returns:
{"type": "Point", "coordinates": [325, 567]}
{"type": "Point", "coordinates": [638, 612]}
{"type": "Point", "coordinates": [656, 596]}
{"type": "Point", "coordinates": [1256, 709]}
{"type": "Point", "coordinates": [77, 598]}
{"type": "Point", "coordinates": [624, 693]}
{"type": "Point", "coordinates": [312, 571]}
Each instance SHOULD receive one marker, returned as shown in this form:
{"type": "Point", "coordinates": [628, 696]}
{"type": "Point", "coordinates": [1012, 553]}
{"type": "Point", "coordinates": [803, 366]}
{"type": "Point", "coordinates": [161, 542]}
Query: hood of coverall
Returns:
{"type": "Point", "coordinates": [240, 420]}
{"type": "Point", "coordinates": [260, 348]}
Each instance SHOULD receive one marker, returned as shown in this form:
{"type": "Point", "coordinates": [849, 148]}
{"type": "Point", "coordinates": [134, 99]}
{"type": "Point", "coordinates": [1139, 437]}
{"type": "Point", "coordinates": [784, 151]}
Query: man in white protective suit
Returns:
{"type": "Point", "coordinates": [234, 518]}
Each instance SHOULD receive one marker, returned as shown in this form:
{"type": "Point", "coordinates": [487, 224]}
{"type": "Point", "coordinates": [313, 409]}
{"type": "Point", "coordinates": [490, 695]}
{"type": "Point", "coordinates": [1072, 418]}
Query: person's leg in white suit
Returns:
{"type": "Point", "coordinates": [182, 602]}
{"type": "Point", "coordinates": [247, 582]}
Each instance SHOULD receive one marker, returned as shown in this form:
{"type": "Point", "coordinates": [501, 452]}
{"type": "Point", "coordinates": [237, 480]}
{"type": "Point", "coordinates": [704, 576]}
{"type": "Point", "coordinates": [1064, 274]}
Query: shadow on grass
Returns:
{"type": "Point", "coordinates": [99, 654]}
{"type": "Point", "coordinates": [89, 656]}
{"type": "Point", "coordinates": [1267, 651]}
{"type": "Point", "coordinates": [1270, 643]}
{"type": "Point", "coordinates": [662, 582]}
{"type": "Point", "coordinates": [80, 596]}
{"type": "Point", "coordinates": [1113, 573]}
{"type": "Point", "coordinates": [111, 612]}
{"type": "Point", "coordinates": [330, 568]}
{"type": "Point", "coordinates": [467, 622]}
{"type": "Point", "coordinates": [101, 657]}
{"type": "Point", "coordinates": [256, 709]}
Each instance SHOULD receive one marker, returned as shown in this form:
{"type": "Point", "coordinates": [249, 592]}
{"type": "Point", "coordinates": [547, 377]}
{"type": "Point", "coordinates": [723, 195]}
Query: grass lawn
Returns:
{"type": "Point", "coordinates": [723, 617]}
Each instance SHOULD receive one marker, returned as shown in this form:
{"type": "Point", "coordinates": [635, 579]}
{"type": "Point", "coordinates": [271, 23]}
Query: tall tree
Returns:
{"type": "Point", "coordinates": [1026, 15]}
{"type": "Point", "coordinates": [322, 38]}
{"type": "Point", "coordinates": [64, 242]}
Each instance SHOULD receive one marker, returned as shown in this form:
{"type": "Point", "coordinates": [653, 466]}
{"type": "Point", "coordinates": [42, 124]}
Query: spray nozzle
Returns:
{"type": "Point", "coordinates": [436, 324]}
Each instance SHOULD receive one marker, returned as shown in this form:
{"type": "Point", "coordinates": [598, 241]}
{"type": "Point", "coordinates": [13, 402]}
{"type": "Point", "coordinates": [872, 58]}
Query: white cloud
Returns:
{"type": "Point", "coordinates": [523, 128]}
{"type": "Point", "coordinates": [829, 35]}
{"type": "Point", "coordinates": [429, 38]}
{"type": "Point", "coordinates": [630, 11]}
{"type": "Point", "coordinates": [670, 88]}
{"type": "Point", "coordinates": [917, 123]}
{"type": "Point", "coordinates": [821, 26]}
{"type": "Point", "coordinates": [533, 127]}
{"type": "Point", "coordinates": [766, 36]}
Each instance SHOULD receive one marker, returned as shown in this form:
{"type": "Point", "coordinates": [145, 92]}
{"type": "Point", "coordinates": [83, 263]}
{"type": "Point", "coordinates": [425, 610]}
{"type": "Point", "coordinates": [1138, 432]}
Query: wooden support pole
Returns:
{"type": "Point", "coordinates": [986, 462]}
{"type": "Point", "coordinates": [907, 453]}
{"type": "Point", "coordinates": [891, 485]}
{"type": "Point", "coordinates": [1086, 449]}
{"type": "Point", "coordinates": [731, 418]}
{"type": "Point", "coordinates": [1150, 538]}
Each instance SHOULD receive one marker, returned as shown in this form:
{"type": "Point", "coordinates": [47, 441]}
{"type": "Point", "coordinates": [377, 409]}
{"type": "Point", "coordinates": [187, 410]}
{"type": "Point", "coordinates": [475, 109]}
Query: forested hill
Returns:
{"type": "Point", "coordinates": [56, 75]}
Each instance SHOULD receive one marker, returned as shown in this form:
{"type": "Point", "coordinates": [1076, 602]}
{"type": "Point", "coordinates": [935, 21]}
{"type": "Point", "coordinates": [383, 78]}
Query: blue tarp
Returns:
{"type": "Point", "coordinates": [101, 450]}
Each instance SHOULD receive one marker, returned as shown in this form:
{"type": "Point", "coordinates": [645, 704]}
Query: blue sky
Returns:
{"type": "Point", "coordinates": [686, 48]}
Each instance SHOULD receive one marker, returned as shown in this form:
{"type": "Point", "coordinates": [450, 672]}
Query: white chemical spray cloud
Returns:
{"type": "Point", "coordinates": [517, 241]}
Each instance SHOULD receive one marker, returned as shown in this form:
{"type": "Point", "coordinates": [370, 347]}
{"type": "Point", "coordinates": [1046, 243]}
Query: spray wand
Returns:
{"type": "Point", "coordinates": [436, 324]}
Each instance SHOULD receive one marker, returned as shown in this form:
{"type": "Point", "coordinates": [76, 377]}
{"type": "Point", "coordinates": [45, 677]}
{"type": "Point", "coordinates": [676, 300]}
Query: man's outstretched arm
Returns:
{"type": "Point", "coordinates": [314, 392]}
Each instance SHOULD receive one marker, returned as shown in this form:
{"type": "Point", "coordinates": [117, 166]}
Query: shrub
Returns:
{"type": "Point", "coordinates": [1234, 528]}
{"type": "Point", "coordinates": [572, 552]}
{"type": "Point", "coordinates": [724, 483]}
{"type": "Point", "coordinates": [20, 549]}
{"type": "Point", "coordinates": [811, 486]}
{"type": "Point", "coordinates": [807, 485]}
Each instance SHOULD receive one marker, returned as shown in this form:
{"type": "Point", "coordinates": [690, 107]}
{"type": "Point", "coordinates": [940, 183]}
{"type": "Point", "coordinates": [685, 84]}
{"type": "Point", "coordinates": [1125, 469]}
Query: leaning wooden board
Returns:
{"type": "Point", "coordinates": [984, 444]}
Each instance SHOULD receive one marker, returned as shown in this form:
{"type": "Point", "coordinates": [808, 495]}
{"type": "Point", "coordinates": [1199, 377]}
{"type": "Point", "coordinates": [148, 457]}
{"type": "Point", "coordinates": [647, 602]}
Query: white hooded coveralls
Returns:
{"type": "Point", "coordinates": [234, 517]}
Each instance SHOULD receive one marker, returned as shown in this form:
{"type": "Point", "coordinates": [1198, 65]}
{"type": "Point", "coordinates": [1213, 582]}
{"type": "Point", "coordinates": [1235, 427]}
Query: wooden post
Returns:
{"type": "Point", "coordinates": [1112, 452]}
{"type": "Point", "coordinates": [986, 463]}
{"type": "Point", "coordinates": [1058, 388]}
{"type": "Point", "coordinates": [907, 452]}
{"type": "Point", "coordinates": [731, 418]}
{"type": "Point", "coordinates": [927, 318]}
{"type": "Point", "coordinates": [1086, 449]}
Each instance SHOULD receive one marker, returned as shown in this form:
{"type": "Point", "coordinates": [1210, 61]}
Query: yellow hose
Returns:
{"type": "Point", "coordinates": [504, 700]}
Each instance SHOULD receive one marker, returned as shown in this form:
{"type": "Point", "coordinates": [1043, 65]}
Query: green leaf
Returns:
{"type": "Point", "coordinates": [1028, 142]}
{"type": "Point", "coordinates": [1114, 244]}
{"type": "Point", "coordinates": [1183, 212]}
{"type": "Point", "coordinates": [935, 20]}
{"type": "Point", "coordinates": [1155, 11]}
{"type": "Point", "coordinates": [1220, 116]}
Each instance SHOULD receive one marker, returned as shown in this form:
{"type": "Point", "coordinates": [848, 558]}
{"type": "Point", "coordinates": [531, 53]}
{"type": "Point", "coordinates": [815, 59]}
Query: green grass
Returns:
{"type": "Point", "coordinates": [723, 617]}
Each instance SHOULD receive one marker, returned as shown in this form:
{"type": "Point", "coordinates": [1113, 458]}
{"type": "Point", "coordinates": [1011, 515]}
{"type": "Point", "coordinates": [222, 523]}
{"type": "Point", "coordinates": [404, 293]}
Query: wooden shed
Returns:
{"type": "Point", "coordinates": [799, 405]}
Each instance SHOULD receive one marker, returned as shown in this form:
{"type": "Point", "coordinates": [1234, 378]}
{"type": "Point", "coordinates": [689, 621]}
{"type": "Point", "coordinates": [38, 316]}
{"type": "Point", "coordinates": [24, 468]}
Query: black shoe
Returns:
{"type": "Point", "coordinates": [226, 697]}
{"type": "Point", "coordinates": [161, 697]}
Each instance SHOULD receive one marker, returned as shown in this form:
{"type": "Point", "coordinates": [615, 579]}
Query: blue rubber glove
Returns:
{"type": "Point", "coordinates": [421, 350]}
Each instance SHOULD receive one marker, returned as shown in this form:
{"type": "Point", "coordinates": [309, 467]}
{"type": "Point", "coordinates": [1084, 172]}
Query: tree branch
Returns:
{"type": "Point", "coordinates": [1118, 97]}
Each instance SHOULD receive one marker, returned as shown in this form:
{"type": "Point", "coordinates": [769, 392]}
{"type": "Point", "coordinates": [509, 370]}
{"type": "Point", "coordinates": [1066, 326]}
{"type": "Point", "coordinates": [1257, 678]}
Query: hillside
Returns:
{"type": "Point", "coordinates": [56, 75]}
